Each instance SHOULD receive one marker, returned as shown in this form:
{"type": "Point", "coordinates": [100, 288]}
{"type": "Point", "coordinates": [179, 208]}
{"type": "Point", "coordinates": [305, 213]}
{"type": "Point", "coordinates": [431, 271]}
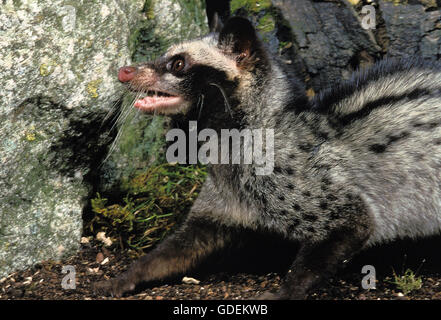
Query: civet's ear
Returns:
{"type": "Point", "coordinates": [216, 23]}
{"type": "Point", "coordinates": [240, 38]}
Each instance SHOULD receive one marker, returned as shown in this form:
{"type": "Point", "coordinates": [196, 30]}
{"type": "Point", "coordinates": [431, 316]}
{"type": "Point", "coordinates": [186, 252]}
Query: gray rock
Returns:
{"type": "Point", "coordinates": [58, 65]}
{"type": "Point", "coordinates": [58, 61]}
{"type": "Point", "coordinates": [321, 41]}
{"type": "Point", "coordinates": [412, 31]}
{"type": "Point", "coordinates": [329, 38]}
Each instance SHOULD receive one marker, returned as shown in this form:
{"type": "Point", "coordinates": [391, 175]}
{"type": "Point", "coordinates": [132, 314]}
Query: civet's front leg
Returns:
{"type": "Point", "coordinates": [199, 236]}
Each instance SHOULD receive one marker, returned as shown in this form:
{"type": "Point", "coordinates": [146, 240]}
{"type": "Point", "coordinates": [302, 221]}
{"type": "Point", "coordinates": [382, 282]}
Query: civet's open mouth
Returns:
{"type": "Point", "coordinates": [157, 101]}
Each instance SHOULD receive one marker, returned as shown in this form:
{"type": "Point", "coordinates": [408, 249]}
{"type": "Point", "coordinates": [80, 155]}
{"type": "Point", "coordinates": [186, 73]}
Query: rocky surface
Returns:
{"type": "Point", "coordinates": [58, 66]}
{"type": "Point", "coordinates": [58, 61]}
{"type": "Point", "coordinates": [239, 276]}
{"type": "Point", "coordinates": [329, 39]}
{"type": "Point", "coordinates": [324, 41]}
{"type": "Point", "coordinates": [413, 29]}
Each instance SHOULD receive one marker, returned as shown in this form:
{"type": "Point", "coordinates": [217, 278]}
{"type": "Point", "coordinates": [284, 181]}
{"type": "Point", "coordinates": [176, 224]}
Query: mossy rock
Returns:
{"type": "Point", "coordinates": [58, 61]}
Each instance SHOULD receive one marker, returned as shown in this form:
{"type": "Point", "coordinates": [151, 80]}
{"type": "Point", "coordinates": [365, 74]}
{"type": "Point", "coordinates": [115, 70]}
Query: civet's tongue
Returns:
{"type": "Point", "coordinates": [152, 103]}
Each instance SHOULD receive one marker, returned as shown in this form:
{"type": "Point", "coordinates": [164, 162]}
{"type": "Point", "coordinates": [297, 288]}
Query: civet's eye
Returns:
{"type": "Point", "coordinates": [176, 65]}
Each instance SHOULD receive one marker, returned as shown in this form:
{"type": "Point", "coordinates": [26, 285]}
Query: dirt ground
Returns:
{"type": "Point", "coordinates": [94, 263]}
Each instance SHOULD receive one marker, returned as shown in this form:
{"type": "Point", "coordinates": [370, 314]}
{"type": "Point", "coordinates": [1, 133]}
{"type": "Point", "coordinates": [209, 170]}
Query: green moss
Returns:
{"type": "Point", "coordinates": [17, 3]}
{"type": "Point", "coordinates": [266, 23]}
{"type": "Point", "coordinates": [149, 5]}
{"type": "Point", "coordinates": [147, 43]}
{"type": "Point", "coordinates": [156, 200]}
{"type": "Point", "coordinates": [398, 2]}
{"type": "Point", "coordinates": [407, 282]}
{"type": "Point", "coordinates": [195, 19]}
{"type": "Point", "coordinates": [285, 45]}
{"type": "Point", "coordinates": [44, 70]}
{"type": "Point", "coordinates": [47, 68]}
{"type": "Point", "coordinates": [92, 88]}
{"type": "Point", "coordinates": [250, 5]}
{"type": "Point", "coordinates": [31, 134]}
{"type": "Point", "coordinates": [430, 3]}
{"type": "Point", "coordinates": [143, 42]}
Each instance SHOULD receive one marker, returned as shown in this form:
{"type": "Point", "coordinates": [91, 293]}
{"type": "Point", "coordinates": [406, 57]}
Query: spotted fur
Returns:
{"type": "Point", "coordinates": [358, 165]}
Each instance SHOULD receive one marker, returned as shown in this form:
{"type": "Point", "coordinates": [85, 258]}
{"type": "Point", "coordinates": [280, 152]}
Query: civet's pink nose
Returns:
{"type": "Point", "coordinates": [126, 74]}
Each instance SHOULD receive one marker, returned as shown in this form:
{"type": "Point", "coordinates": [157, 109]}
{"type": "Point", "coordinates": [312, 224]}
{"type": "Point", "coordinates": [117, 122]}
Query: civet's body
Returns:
{"type": "Point", "coordinates": [358, 165]}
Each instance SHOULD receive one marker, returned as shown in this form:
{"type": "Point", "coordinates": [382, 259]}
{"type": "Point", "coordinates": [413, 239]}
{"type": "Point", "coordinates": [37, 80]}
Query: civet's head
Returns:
{"type": "Point", "coordinates": [219, 63]}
